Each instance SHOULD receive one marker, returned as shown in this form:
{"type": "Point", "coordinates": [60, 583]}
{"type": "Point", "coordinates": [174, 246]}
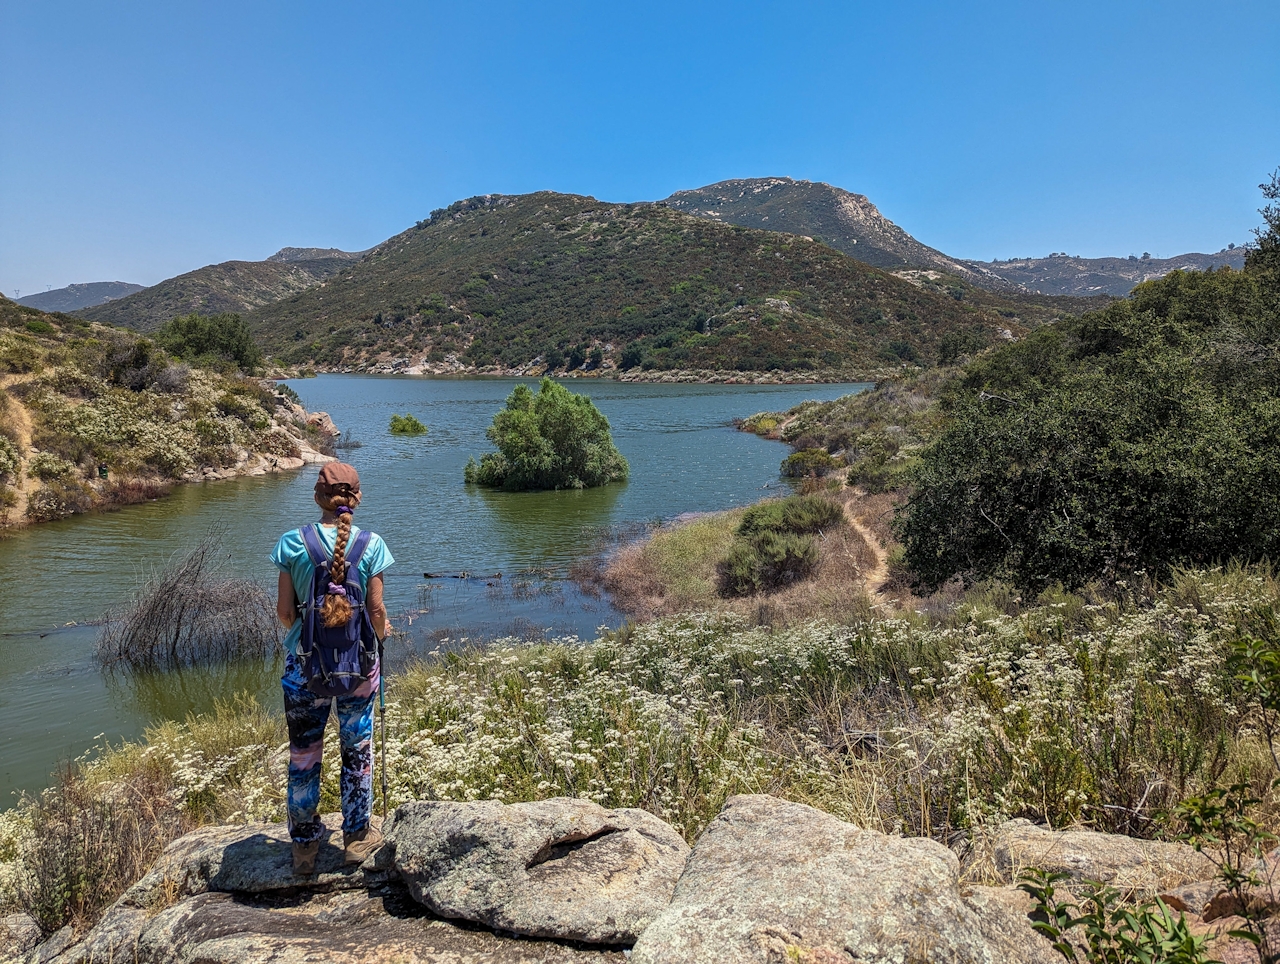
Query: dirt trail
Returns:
{"type": "Point", "coordinates": [21, 418]}
{"type": "Point", "coordinates": [879, 574]}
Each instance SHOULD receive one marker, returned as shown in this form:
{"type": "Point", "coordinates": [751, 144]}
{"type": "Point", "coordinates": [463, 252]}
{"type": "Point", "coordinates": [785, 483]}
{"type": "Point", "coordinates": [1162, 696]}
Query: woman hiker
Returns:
{"type": "Point", "coordinates": [338, 495]}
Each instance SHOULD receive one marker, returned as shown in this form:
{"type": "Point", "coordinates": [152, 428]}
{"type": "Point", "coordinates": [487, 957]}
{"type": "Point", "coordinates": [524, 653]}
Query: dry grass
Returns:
{"type": "Point", "coordinates": [675, 570]}
{"type": "Point", "coordinates": [88, 845]}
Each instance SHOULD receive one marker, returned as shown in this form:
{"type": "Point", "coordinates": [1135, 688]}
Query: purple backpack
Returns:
{"type": "Point", "coordinates": [336, 660]}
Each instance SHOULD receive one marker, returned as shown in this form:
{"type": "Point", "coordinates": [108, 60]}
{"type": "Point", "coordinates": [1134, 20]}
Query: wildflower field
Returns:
{"type": "Point", "coordinates": [913, 724]}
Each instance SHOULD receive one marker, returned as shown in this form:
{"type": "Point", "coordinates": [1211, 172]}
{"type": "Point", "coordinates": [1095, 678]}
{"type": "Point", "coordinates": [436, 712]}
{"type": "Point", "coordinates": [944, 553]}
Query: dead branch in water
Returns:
{"type": "Point", "coordinates": [190, 612]}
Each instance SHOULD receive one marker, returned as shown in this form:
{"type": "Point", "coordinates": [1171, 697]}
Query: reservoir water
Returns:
{"type": "Point", "coordinates": [684, 455]}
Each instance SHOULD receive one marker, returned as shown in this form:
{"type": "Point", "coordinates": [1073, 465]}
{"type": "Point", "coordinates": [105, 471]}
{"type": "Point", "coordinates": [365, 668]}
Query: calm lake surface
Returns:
{"type": "Point", "coordinates": [684, 455]}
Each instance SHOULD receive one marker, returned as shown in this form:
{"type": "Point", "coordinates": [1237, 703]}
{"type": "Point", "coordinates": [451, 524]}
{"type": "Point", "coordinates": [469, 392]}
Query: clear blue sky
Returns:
{"type": "Point", "coordinates": [139, 140]}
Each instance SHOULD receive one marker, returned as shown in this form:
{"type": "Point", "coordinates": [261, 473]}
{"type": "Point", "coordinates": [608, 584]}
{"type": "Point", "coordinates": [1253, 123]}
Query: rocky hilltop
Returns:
{"type": "Point", "coordinates": [848, 222]}
{"type": "Point", "coordinates": [294, 255]}
{"type": "Point", "coordinates": [852, 224]}
{"type": "Point", "coordinates": [565, 880]}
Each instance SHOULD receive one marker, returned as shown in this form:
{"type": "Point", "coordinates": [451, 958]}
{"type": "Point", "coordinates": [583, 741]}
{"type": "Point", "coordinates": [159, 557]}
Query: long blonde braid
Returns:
{"type": "Point", "coordinates": [336, 608]}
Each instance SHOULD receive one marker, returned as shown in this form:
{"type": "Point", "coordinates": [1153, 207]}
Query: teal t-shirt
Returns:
{"type": "Point", "coordinates": [290, 555]}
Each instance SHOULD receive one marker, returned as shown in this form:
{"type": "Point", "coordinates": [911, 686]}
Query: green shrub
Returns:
{"type": "Point", "coordinates": [279, 444]}
{"type": "Point", "coordinates": [775, 543]}
{"type": "Point", "coordinates": [879, 463]}
{"type": "Point", "coordinates": [288, 391]}
{"type": "Point", "coordinates": [38, 326]}
{"type": "Point", "coordinates": [407, 425]}
{"type": "Point", "coordinates": [20, 354]}
{"type": "Point", "coordinates": [810, 462]}
{"type": "Point", "coordinates": [48, 467]}
{"type": "Point", "coordinates": [796, 513]}
{"type": "Point", "coordinates": [761, 423]}
{"type": "Point", "coordinates": [1131, 439]}
{"type": "Point", "coordinates": [201, 338]}
{"type": "Point", "coordinates": [10, 461]}
{"type": "Point", "coordinates": [57, 500]}
{"type": "Point", "coordinates": [552, 440]}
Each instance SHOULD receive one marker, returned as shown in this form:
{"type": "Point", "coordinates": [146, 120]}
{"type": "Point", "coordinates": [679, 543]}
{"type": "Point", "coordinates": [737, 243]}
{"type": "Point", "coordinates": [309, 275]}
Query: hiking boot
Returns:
{"type": "Point", "coordinates": [356, 847]}
{"type": "Point", "coordinates": [304, 858]}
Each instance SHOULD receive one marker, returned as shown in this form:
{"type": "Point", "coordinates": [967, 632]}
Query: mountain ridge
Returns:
{"type": "Point", "coordinates": [851, 223]}
{"type": "Point", "coordinates": [75, 297]}
{"type": "Point", "coordinates": [1061, 274]}
{"type": "Point", "coordinates": [231, 286]}
{"type": "Point", "coordinates": [512, 282]}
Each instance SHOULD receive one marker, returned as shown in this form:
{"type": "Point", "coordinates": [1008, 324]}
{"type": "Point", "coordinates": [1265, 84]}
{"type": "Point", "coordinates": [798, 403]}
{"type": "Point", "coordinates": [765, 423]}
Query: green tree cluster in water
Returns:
{"type": "Point", "coordinates": [1134, 438]}
{"type": "Point", "coordinates": [552, 440]}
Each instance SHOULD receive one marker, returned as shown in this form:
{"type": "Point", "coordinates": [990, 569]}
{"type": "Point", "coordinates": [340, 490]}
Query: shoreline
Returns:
{"type": "Point", "coordinates": [671, 376]}
{"type": "Point", "coordinates": [96, 495]}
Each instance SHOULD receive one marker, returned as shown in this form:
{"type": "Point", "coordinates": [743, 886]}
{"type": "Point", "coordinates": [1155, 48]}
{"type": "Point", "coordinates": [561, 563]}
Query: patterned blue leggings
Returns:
{"type": "Point", "coordinates": [306, 715]}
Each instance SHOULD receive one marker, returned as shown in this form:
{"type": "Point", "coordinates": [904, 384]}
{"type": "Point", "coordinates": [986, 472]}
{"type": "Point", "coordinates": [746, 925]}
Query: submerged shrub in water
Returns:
{"type": "Point", "coordinates": [552, 440]}
{"type": "Point", "coordinates": [404, 425]}
{"type": "Point", "coordinates": [190, 612]}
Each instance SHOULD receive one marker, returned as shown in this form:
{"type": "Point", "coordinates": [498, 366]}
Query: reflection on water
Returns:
{"type": "Point", "coordinates": [684, 457]}
{"type": "Point", "coordinates": [174, 693]}
{"type": "Point", "coordinates": [556, 526]}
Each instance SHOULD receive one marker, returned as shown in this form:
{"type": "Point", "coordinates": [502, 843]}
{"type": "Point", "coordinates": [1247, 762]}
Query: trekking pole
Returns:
{"type": "Point", "coordinates": [382, 707]}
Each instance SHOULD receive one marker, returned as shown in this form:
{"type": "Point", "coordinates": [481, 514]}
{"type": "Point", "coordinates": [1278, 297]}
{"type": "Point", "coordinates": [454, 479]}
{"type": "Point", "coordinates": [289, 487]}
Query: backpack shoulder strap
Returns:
{"type": "Point", "coordinates": [311, 539]}
{"type": "Point", "coordinates": [357, 549]}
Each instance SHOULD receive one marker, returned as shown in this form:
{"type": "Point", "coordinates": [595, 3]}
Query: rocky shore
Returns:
{"type": "Point", "coordinates": [291, 438]}
{"type": "Point", "coordinates": [289, 418]}
{"type": "Point", "coordinates": [458, 369]}
{"type": "Point", "coordinates": [564, 880]}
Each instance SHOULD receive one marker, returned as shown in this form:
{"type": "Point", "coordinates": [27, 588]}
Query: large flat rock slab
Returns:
{"type": "Point", "coordinates": [563, 868]}
{"type": "Point", "coordinates": [1141, 867]}
{"type": "Point", "coordinates": [337, 928]}
{"type": "Point", "coordinates": [771, 882]}
{"type": "Point", "coordinates": [242, 858]}
{"type": "Point", "coordinates": [245, 858]}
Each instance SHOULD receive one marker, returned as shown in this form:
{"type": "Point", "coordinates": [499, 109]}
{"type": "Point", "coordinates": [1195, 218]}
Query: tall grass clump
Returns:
{"type": "Point", "coordinates": [83, 844]}
{"type": "Point", "coordinates": [192, 611]}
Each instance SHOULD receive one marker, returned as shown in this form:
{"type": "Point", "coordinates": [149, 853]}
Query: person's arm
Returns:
{"type": "Point", "coordinates": [377, 608]}
{"type": "Point", "coordinates": [286, 600]}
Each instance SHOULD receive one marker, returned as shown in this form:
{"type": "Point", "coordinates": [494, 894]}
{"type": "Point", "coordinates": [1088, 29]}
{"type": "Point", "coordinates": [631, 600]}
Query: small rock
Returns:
{"type": "Point", "coordinates": [561, 868]}
{"type": "Point", "coordinates": [324, 423]}
{"type": "Point", "coordinates": [771, 881]}
{"type": "Point", "coordinates": [1192, 898]}
{"type": "Point", "coordinates": [1140, 867]}
{"type": "Point", "coordinates": [18, 934]}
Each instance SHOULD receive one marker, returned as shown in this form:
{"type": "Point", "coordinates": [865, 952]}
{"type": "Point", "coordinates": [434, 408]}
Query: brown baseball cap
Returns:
{"type": "Point", "coordinates": [338, 473]}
